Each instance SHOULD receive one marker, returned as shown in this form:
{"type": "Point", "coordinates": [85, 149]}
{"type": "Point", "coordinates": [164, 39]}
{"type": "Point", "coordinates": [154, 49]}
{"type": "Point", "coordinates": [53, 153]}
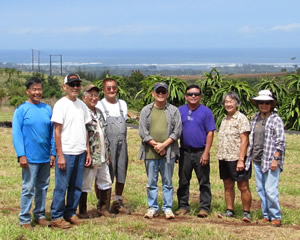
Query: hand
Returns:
{"type": "Point", "coordinates": [240, 166]}
{"type": "Point", "coordinates": [88, 160]}
{"type": "Point", "coordinates": [52, 161]}
{"type": "Point", "coordinates": [274, 165]}
{"type": "Point", "coordinates": [160, 148]}
{"type": "Point", "coordinates": [163, 153]}
{"type": "Point", "coordinates": [23, 162]}
{"type": "Point", "coordinates": [61, 161]}
{"type": "Point", "coordinates": [204, 158]}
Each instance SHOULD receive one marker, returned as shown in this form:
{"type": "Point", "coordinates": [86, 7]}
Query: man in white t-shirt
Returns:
{"type": "Point", "coordinates": [70, 116]}
{"type": "Point", "coordinates": [115, 114]}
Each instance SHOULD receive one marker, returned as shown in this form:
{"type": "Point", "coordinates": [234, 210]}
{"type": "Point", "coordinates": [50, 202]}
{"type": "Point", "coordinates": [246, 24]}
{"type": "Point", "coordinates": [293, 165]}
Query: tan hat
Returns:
{"type": "Point", "coordinates": [89, 87]}
{"type": "Point", "coordinates": [264, 95]}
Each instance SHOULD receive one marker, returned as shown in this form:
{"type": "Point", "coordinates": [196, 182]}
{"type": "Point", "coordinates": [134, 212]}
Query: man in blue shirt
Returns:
{"type": "Point", "coordinates": [34, 144]}
{"type": "Point", "coordinates": [198, 127]}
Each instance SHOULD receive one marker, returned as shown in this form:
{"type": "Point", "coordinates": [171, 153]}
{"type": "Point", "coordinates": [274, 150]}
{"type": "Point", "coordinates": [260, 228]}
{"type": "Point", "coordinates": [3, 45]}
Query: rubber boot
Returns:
{"type": "Point", "coordinates": [105, 196]}
{"type": "Point", "coordinates": [98, 195]}
{"type": "Point", "coordinates": [83, 206]}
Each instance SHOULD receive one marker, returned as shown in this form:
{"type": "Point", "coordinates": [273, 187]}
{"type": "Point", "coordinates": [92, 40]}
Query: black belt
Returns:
{"type": "Point", "coordinates": [192, 149]}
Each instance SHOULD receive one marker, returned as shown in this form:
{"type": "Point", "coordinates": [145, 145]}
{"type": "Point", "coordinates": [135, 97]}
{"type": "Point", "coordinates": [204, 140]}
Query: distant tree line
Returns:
{"type": "Point", "coordinates": [136, 90]}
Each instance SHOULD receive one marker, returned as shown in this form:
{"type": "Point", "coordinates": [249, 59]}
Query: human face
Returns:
{"type": "Point", "coordinates": [192, 98]}
{"type": "Point", "coordinates": [160, 95]}
{"type": "Point", "coordinates": [110, 90]}
{"type": "Point", "coordinates": [91, 99]}
{"type": "Point", "coordinates": [230, 105]}
{"type": "Point", "coordinates": [35, 93]}
{"type": "Point", "coordinates": [264, 106]}
{"type": "Point", "coordinates": [72, 90]}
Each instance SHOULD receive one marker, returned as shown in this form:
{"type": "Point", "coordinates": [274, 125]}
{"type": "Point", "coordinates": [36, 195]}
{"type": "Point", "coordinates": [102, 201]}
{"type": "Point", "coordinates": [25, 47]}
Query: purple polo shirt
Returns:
{"type": "Point", "coordinates": [195, 126]}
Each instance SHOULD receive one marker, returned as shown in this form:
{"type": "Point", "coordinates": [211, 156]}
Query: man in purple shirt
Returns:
{"type": "Point", "coordinates": [198, 127]}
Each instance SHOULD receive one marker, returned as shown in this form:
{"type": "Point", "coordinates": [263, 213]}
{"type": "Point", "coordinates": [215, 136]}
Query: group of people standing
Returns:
{"type": "Point", "coordinates": [86, 142]}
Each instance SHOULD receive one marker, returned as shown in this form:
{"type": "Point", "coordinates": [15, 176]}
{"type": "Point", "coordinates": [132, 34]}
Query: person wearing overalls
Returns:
{"type": "Point", "coordinates": [115, 114]}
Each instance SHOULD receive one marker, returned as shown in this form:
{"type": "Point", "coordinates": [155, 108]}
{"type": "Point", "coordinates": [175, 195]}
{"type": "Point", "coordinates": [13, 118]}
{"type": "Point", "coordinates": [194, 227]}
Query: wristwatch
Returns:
{"type": "Point", "coordinates": [276, 158]}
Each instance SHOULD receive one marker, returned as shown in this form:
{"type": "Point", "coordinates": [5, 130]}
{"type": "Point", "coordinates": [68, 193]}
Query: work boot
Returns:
{"type": "Point", "coordinates": [118, 207]}
{"type": "Point", "coordinates": [82, 206]}
{"type": "Point", "coordinates": [104, 203]}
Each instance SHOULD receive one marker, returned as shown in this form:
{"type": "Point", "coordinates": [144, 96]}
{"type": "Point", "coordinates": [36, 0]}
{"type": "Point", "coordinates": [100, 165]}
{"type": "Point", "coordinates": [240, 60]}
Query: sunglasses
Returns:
{"type": "Point", "coordinates": [264, 102]}
{"type": "Point", "coordinates": [163, 91]}
{"type": "Point", "coordinates": [74, 84]}
{"type": "Point", "coordinates": [190, 94]}
{"type": "Point", "coordinates": [109, 88]}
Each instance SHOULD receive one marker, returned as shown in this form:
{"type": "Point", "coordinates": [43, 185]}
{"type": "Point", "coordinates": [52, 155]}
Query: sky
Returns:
{"type": "Point", "coordinates": [155, 24]}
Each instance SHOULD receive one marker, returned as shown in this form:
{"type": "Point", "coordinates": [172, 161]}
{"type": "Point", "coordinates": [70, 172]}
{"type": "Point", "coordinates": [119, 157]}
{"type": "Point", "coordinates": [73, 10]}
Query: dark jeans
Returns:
{"type": "Point", "coordinates": [187, 162]}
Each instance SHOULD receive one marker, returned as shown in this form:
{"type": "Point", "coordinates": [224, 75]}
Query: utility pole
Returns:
{"type": "Point", "coordinates": [33, 58]}
{"type": "Point", "coordinates": [51, 61]}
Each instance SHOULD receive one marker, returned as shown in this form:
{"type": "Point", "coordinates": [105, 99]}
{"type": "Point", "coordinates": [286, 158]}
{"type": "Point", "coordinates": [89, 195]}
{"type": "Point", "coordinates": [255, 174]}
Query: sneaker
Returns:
{"type": "Point", "coordinates": [27, 226]}
{"type": "Point", "coordinates": [74, 220]}
{"type": "Point", "coordinates": [228, 213]}
{"type": "Point", "coordinates": [246, 217]}
{"type": "Point", "coordinates": [169, 214]}
{"type": "Point", "coordinates": [43, 222]}
{"type": "Point", "coordinates": [60, 223]}
{"type": "Point", "coordinates": [181, 212]}
{"type": "Point", "coordinates": [202, 214]}
{"type": "Point", "coordinates": [151, 213]}
{"type": "Point", "coordinates": [276, 222]}
{"type": "Point", "coordinates": [118, 207]}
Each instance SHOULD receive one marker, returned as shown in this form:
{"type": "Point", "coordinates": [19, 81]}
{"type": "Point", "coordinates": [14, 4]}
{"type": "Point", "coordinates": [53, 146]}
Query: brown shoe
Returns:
{"type": "Point", "coordinates": [60, 223]}
{"type": "Point", "coordinates": [181, 212]}
{"type": "Point", "coordinates": [27, 226]}
{"type": "Point", "coordinates": [263, 221]}
{"type": "Point", "coordinates": [43, 222]}
{"type": "Point", "coordinates": [74, 220]}
{"type": "Point", "coordinates": [118, 207]}
{"type": "Point", "coordinates": [276, 222]}
{"type": "Point", "coordinates": [202, 214]}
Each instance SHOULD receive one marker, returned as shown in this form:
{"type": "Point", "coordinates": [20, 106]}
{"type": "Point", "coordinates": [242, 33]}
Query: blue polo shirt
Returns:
{"type": "Point", "coordinates": [195, 126]}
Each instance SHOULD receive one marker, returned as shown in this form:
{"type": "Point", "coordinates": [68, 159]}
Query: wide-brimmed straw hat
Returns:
{"type": "Point", "coordinates": [264, 95]}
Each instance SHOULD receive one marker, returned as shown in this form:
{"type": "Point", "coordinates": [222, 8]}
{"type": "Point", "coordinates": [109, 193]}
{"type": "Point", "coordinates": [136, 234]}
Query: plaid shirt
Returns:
{"type": "Point", "coordinates": [274, 142]}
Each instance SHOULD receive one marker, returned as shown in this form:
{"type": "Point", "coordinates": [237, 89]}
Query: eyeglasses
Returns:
{"type": "Point", "coordinates": [189, 117]}
{"type": "Point", "coordinates": [74, 84]}
{"type": "Point", "coordinates": [264, 102]}
{"type": "Point", "coordinates": [163, 91]}
{"type": "Point", "coordinates": [109, 88]}
{"type": "Point", "coordinates": [190, 94]}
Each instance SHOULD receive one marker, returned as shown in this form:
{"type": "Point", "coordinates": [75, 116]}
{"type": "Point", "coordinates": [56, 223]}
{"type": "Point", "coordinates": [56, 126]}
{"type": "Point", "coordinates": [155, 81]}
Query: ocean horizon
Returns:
{"type": "Point", "coordinates": [165, 58]}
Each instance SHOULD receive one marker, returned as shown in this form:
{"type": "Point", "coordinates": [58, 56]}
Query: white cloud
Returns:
{"type": "Point", "coordinates": [287, 27]}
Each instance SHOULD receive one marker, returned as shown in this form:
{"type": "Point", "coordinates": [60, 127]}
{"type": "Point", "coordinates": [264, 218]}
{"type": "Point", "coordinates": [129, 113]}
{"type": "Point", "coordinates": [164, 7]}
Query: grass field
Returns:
{"type": "Point", "coordinates": [135, 226]}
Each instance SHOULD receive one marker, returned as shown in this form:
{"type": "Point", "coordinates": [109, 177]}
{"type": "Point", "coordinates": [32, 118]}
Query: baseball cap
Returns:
{"type": "Point", "coordinates": [161, 84]}
{"type": "Point", "coordinates": [71, 77]}
{"type": "Point", "coordinates": [89, 87]}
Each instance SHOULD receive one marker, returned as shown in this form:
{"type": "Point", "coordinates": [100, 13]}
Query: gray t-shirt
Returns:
{"type": "Point", "coordinates": [259, 139]}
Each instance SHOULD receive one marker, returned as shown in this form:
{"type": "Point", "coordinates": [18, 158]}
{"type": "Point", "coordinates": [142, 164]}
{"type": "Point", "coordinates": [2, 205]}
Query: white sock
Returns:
{"type": "Point", "coordinates": [118, 197]}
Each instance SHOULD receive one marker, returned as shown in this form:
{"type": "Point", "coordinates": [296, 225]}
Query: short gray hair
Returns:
{"type": "Point", "coordinates": [234, 96]}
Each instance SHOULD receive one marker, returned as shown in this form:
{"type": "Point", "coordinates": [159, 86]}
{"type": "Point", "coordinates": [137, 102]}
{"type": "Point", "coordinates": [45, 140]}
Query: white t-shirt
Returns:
{"type": "Point", "coordinates": [73, 116]}
{"type": "Point", "coordinates": [113, 108]}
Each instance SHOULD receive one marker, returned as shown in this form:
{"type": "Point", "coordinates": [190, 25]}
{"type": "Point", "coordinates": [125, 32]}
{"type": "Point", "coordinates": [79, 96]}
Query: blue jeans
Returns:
{"type": "Point", "coordinates": [267, 190]}
{"type": "Point", "coordinates": [153, 167]}
{"type": "Point", "coordinates": [71, 180]}
{"type": "Point", "coordinates": [35, 182]}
